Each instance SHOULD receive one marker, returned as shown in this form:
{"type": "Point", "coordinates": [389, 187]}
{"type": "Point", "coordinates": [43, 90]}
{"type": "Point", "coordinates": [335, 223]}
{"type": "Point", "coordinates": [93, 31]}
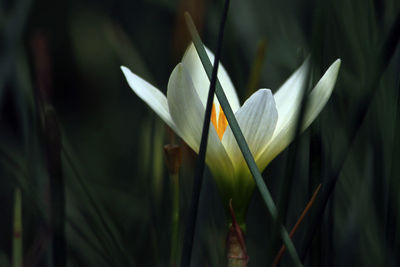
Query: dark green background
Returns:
{"type": "Point", "coordinates": [72, 50]}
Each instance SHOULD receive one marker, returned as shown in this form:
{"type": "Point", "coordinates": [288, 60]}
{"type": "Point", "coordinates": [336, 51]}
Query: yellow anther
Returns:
{"type": "Point", "coordinates": [220, 124]}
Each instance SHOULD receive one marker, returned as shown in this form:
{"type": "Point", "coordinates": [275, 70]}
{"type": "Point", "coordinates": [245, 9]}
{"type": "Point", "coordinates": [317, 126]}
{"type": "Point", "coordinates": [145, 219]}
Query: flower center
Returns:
{"type": "Point", "coordinates": [220, 124]}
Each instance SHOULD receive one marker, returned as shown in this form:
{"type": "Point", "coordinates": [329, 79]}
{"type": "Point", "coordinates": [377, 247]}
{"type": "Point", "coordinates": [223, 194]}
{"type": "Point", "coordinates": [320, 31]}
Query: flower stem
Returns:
{"type": "Point", "coordinates": [236, 251]}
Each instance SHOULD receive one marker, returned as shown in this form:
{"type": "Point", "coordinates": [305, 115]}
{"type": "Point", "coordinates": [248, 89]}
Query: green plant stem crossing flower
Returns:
{"type": "Point", "coordinates": [267, 120]}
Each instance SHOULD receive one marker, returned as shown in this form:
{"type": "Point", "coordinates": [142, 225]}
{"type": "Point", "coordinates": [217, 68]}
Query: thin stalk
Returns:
{"type": "Point", "coordinates": [296, 226]}
{"type": "Point", "coordinates": [17, 252]}
{"type": "Point", "coordinates": [191, 222]}
{"type": "Point", "coordinates": [57, 189]}
{"type": "Point", "coordinates": [52, 142]}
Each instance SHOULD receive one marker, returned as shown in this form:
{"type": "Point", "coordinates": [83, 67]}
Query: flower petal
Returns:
{"type": "Point", "coordinates": [257, 119]}
{"type": "Point", "coordinates": [288, 96]}
{"type": "Point", "coordinates": [192, 63]}
{"type": "Point", "coordinates": [187, 112]}
{"type": "Point", "coordinates": [316, 100]}
{"type": "Point", "coordinates": [150, 95]}
{"type": "Point", "coordinates": [320, 94]}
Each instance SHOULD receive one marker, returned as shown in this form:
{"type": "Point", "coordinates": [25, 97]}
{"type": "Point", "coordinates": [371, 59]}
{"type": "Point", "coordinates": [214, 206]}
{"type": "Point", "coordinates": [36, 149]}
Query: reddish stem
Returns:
{"type": "Point", "coordinates": [236, 243]}
{"type": "Point", "coordinates": [296, 226]}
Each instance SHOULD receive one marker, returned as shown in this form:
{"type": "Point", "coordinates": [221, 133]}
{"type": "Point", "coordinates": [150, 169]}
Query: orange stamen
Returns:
{"type": "Point", "coordinates": [221, 124]}
{"type": "Point", "coordinates": [214, 117]}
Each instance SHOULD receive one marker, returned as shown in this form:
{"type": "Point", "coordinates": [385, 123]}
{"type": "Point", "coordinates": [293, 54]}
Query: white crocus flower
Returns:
{"type": "Point", "coordinates": [267, 121]}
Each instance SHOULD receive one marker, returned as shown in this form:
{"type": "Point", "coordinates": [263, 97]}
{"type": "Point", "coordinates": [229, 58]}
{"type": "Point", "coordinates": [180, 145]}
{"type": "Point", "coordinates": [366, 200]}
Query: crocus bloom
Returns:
{"type": "Point", "coordinates": [267, 120]}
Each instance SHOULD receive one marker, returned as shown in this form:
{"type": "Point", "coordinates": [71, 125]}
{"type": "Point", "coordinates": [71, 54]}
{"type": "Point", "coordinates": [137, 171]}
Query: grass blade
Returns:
{"type": "Point", "coordinates": [191, 223]}
{"type": "Point", "coordinates": [265, 194]}
{"type": "Point", "coordinates": [106, 235]}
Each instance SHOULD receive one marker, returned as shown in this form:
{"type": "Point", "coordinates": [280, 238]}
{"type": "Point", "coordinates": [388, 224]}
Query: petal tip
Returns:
{"type": "Point", "coordinates": [178, 69]}
{"type": "Point", "coordinates": [338, 62]}
{"type": "Point", "coordinates": [125, 70]}
{"type": "Point", "coordinates": [265, 90]}
{"type": "Point", "coordinates": [334, 68]}
{"type": "Point", "coordinates": [336, 65]}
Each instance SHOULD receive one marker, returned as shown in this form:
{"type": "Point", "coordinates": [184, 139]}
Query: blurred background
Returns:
{"type": "Point", "coordinates": [74, 137]}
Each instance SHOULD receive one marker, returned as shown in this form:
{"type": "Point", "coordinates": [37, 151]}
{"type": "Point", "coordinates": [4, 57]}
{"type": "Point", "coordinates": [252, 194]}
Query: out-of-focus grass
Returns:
{"type": "Point", "coordinates": [115, 142]}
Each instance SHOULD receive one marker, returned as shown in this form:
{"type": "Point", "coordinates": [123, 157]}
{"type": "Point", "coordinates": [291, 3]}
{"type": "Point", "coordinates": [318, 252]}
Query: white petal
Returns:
{"type": "Point", "coordinates": [187, 112]}
{"type": "Point", "coordinates": [192, 63]}
{"type": "Point", "coordinates": [320, 94]}
{"type": "Point", "coordinates": [257, 119]}
{"type": "Point", "coordinates": [316, 100]}
{"type": "Point", "coordinates": [150, 95]}
{"type": "Point", "coordinates": [288, 96]}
